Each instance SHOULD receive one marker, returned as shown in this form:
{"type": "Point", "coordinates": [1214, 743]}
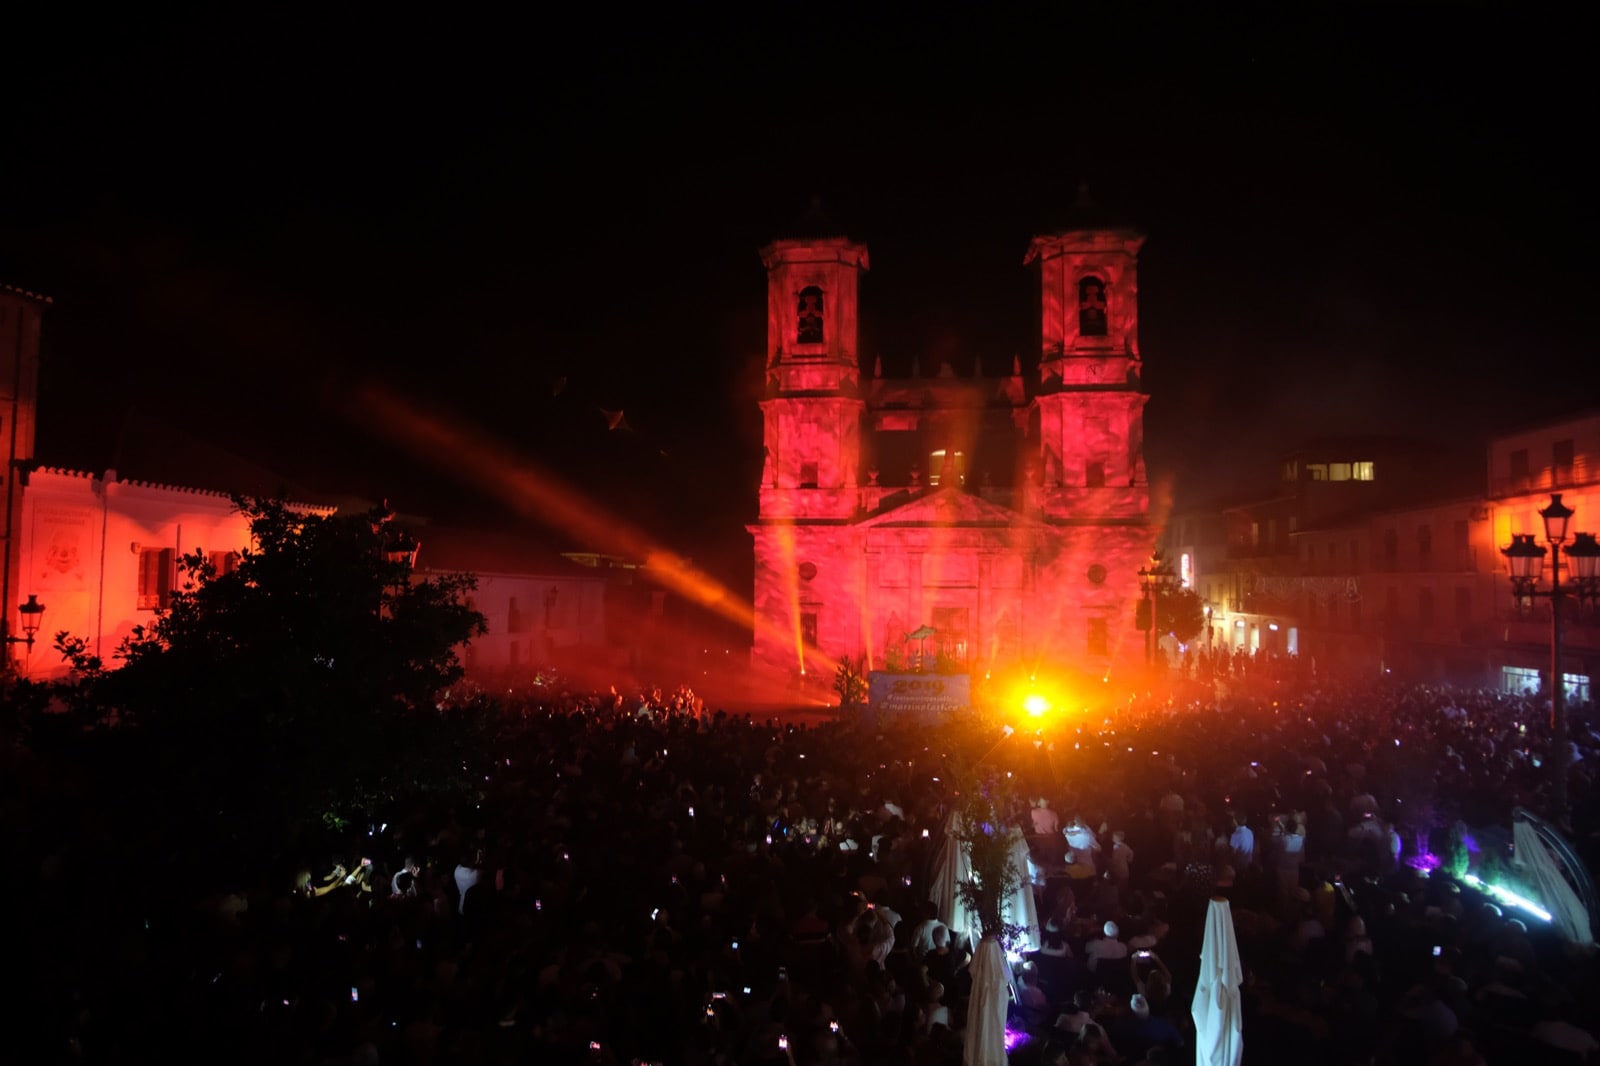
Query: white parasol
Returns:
{"type": "Point", "coordinates": [1567, 912]}
{"type": "Point", "coordinates": [1218, 1039]}
{"type": "Point", "coordinates": [954, 867]}
{"type": "Point", "coordinates": [1021, 909]}
{"type": "Point", "coordinates": [985, 1043]}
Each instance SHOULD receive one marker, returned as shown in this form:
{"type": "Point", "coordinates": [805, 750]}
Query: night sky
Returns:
{"type": "Point", "coordinates": [1376, 222]}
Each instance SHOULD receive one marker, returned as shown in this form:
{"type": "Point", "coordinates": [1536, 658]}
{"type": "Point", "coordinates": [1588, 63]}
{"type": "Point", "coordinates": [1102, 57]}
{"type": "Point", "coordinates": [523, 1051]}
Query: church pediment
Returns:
{"type": "Point", "coordinates": [950, 507]}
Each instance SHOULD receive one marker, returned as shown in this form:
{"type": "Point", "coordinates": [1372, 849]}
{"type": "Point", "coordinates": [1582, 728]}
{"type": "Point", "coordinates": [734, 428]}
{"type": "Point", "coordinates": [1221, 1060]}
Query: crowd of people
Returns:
{"type": "Point", "coordinates": [642, 879]}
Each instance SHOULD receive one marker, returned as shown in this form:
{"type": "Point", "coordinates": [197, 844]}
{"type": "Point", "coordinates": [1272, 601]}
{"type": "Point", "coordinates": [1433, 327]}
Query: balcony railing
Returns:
{"type": "Point", "coordinates": [1584, 470]}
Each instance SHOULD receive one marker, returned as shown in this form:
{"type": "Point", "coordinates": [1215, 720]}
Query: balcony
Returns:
{"type": "Point", "coordinates": [1585, 470]}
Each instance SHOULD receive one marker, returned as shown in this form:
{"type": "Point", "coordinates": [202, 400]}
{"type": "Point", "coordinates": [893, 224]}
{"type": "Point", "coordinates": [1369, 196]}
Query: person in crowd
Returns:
{"type": "Point", "coordinates": [1107, 948]}
{"type": "Point", "coordinates": [1044, 820]}
{"type": "Point", "coordinates": [1241, 843]}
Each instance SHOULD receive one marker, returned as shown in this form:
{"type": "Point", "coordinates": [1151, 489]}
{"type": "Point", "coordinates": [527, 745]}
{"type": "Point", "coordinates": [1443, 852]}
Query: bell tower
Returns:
{"type": "Point", "coordinates": [1089, 407]}
{"type": "Point", "coordinates": [807, 562]}
{"type": "Point", "coordinates": [812, 406]}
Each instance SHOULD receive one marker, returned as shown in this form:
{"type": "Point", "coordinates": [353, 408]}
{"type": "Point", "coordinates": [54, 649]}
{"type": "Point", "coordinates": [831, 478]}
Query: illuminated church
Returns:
{"type": "Point", "coordinates": [1008, 515]}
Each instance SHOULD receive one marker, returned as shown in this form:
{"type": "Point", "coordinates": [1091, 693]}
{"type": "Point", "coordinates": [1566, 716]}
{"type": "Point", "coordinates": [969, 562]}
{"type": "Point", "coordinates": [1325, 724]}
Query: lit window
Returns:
{"type": "Point", "coordinates": [1317, 471]}
{"type": "Point", "coordinates": [1361, 471]}
{"type": "Point", "coordinates": [945, 467]}
{"type": "Point", "coordinates": [1338, 471]}
{"type": "Point", "coordinates": [1519, 680]}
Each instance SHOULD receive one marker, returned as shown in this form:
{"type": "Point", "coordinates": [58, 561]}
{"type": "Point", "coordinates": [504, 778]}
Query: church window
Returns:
{"type": "Point", "coordinates": [155, 578]}
{"type": "Point", "coordinates": [950, 627]}
{"type": "Point", "coordinates": [1091, 307]}
{"type": "Point", "coordinates": [808, 570]}
{"type": "Point", "coordinates": [1095, 474]}
{"type": "Point", "coordinates": [808, 475]}
{"type": "Point", "coordinates": [808, 628]}
{"type": "Point", "coordinates": [1099, 643]}
{"type": "Point", "coordinates": [808, 323]}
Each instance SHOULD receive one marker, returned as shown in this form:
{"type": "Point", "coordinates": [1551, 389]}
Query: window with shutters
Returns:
{"type": "Point", "coordinates": [155, 578]}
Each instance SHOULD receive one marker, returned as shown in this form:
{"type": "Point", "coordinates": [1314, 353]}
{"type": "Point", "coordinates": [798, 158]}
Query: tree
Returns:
{"type": "Point", "coordinates": [989, 843]}
{"type": "Point", "coordinates": [850, 681]}
{"type": "Point", "coordinates": [1180, 612]}
{"type": "Point", "coordinates": [301, 686]}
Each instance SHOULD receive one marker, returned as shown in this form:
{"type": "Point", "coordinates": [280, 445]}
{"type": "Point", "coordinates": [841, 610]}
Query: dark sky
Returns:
{"type": "Point", "coordinates": [1374, 221]}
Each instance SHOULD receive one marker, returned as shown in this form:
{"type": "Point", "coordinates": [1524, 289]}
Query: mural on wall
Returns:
{"type": "Point", "coordinates": [63, 536]}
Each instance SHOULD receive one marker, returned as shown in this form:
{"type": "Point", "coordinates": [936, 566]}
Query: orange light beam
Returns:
{"type": "Point", "coordinates": [461, 450]}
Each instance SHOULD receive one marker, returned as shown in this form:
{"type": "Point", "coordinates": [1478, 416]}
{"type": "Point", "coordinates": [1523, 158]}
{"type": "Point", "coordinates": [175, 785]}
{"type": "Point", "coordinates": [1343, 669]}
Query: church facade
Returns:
{"type": "Point", "coordinates": [985, 524]}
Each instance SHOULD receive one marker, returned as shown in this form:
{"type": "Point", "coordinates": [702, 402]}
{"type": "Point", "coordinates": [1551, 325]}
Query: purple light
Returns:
{"type": "Point", "coordinates": [1015, 1038]}
{"type": "Point", "coordinates": [1427, 862]}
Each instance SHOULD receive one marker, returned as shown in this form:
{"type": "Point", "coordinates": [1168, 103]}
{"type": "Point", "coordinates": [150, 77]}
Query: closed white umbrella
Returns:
{"type": "Point", "coordinates": [1218, 1037]}
{"type": "Point", "coordinates": [954, 867]}
{"type": "Point", "coordinates": [1021, 909]}
{"type": "Point", "coordinates": [985, 1043]}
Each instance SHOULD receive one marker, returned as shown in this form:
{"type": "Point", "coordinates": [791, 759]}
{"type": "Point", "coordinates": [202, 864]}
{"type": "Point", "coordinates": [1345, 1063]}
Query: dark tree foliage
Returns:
{"type": "Point", "coordinates": [1180, 612]}
{"type": "Point", "coordinates": [300, 688]}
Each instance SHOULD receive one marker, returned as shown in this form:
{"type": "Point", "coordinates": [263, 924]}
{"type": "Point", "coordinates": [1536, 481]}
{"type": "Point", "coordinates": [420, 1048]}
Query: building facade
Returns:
{"type": "Point", "coordinates": [101, 554]}
{"type": "Point", "coordinates": [20, 319]}
{"type": "Point", "coordinates": [1004, 518]}
{"type": "Point", "coordinates": [1410, 584]}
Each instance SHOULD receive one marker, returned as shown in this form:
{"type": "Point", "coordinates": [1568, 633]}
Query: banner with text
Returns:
{"type": "Point", "coordinates": [918, 693]}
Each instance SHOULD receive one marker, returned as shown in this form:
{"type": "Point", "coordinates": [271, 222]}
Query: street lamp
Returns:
{"type": "Point", "coordinates": [400, 552]}
{"type": "Point", "coordinates": [1155, 579]}
{"type": "Point", "coordinates": [1526, 562]}
{"type": "Point", "coordinates": [32, 612]}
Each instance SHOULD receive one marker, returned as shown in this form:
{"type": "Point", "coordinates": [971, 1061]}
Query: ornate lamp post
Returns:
{"type": "Point", "coordinates": [32, 612]}
{"type": "Point", "coordinates": [1526, 562]}
{"type": "Point", "coordinates": [400, 553]}
{"type": "Point", "coordinates": [1154, 579]}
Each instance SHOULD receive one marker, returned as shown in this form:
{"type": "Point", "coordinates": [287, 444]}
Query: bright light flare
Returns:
{"type": "Point", "coordinates": [1035, 704]}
